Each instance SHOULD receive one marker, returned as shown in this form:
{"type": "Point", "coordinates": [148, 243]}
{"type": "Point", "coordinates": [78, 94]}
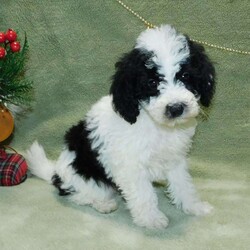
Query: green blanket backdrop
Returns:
{"type": "Point", "coordinates": [73, 47]}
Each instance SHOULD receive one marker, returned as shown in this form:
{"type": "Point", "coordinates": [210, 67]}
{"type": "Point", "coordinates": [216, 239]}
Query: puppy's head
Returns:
{"type": "Point", "coordinates": [166, 74]}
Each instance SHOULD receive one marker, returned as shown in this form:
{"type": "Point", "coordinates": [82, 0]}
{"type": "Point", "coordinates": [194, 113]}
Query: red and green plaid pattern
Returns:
{"type": "Point", "coordinates": [13, 168]}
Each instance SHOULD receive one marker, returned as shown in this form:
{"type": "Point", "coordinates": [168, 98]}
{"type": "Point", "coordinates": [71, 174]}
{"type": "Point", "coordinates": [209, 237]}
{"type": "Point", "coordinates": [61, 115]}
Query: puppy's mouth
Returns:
{"type": "Point", "coordinates": [173, 114]}
{"type": "Point", "coordinates": [180, 115]}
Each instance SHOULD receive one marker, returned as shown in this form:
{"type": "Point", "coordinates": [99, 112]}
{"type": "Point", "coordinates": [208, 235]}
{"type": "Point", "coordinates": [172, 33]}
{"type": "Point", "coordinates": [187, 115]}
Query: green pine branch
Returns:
{"type": "Point", "coordinates": [14, 87]}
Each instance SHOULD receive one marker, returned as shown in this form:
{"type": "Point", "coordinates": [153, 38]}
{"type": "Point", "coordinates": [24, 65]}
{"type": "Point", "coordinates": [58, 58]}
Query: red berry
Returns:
{"type": "Point", "coordinates": [2, 52]}
{"type": "Point", "coordinates": [2, 37]}
{"type": "Point", "coordinates": [15, 46]}
{"type": "Point", "coordinates": [11, 35]}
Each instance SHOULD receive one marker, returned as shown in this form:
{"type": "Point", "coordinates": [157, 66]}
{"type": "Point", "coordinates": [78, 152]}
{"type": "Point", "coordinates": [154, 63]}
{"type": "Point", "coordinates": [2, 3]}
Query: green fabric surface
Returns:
{"type": "Point", "coordinates": [73, 47]}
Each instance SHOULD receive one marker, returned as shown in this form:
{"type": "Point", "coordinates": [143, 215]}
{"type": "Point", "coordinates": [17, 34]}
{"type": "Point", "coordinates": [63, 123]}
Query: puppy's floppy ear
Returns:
{"type": "Point", "coordinates": [205, 72]}
{"type": "Point", "coordinates": [125, 86]}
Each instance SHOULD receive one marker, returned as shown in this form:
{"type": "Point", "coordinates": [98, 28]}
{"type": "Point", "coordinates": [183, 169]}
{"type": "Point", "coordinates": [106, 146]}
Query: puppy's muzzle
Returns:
{"type": "Point", "coordinates": [175, 110]}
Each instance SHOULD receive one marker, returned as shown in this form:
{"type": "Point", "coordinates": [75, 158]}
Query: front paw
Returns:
{"type": "Point", "coordinates": [105, 207]}
{"type": "Point", "coordinates": [198, 208]}
{"type": "Point", "coordinates": [152, 220]}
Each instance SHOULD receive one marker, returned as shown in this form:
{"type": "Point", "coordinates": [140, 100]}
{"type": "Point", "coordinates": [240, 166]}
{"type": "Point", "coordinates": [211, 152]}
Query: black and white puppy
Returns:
{"type": "Point", "coordinates": [138, 134]}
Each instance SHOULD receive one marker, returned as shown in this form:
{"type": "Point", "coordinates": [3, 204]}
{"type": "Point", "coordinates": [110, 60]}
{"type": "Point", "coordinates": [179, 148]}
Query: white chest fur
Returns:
{"type": "Point", "coordinates": [171, 147]}
{"type": "Point", "coordinates": [143, 144]}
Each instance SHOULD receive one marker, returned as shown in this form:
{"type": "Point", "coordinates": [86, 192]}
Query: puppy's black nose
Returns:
{"type": "Point", "coordinates": [175, 110]}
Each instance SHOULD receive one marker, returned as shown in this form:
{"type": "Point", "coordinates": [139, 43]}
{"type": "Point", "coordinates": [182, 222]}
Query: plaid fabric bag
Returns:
{"type": "Point", "coordinates": [13, 168]}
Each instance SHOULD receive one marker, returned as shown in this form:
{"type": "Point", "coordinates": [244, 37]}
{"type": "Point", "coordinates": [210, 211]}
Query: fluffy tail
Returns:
{"type": "Point", "coordinates": [38, 163]}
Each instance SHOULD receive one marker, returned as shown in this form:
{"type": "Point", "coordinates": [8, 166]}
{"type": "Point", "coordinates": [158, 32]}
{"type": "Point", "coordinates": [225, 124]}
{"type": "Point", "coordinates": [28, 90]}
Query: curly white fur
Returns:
{"type": "Point", "coordinates": [153, 148]}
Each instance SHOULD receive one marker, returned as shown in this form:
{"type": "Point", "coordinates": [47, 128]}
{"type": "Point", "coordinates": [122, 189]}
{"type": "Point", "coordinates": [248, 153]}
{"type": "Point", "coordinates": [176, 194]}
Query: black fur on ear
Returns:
{"type": "Point", "coordinates": [128, 84]}
{"type": "Point", "coordinates": [203, 73]}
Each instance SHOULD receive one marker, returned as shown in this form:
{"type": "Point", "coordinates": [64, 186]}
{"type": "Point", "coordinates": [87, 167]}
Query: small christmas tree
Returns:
{"type": "Point", "coordinates": [15, 89]}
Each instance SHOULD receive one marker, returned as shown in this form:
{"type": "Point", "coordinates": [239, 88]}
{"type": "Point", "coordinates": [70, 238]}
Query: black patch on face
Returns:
{"type": "Point", "coordinates": [198, 74]}
{"type": "Point", "coordinates": [86, 163]}
{"type": "Point", "coordinates": [133, 82]}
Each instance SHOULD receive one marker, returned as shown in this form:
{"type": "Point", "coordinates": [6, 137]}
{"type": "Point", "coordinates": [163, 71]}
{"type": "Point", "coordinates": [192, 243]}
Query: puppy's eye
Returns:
{"type": "Point", "coordinates": [185, 76]}
{"type": "Point", "coordinates": [153, 83]}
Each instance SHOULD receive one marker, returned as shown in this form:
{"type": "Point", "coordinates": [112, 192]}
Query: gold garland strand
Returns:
{"type": "Point", "coordinates": [150, 25]}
